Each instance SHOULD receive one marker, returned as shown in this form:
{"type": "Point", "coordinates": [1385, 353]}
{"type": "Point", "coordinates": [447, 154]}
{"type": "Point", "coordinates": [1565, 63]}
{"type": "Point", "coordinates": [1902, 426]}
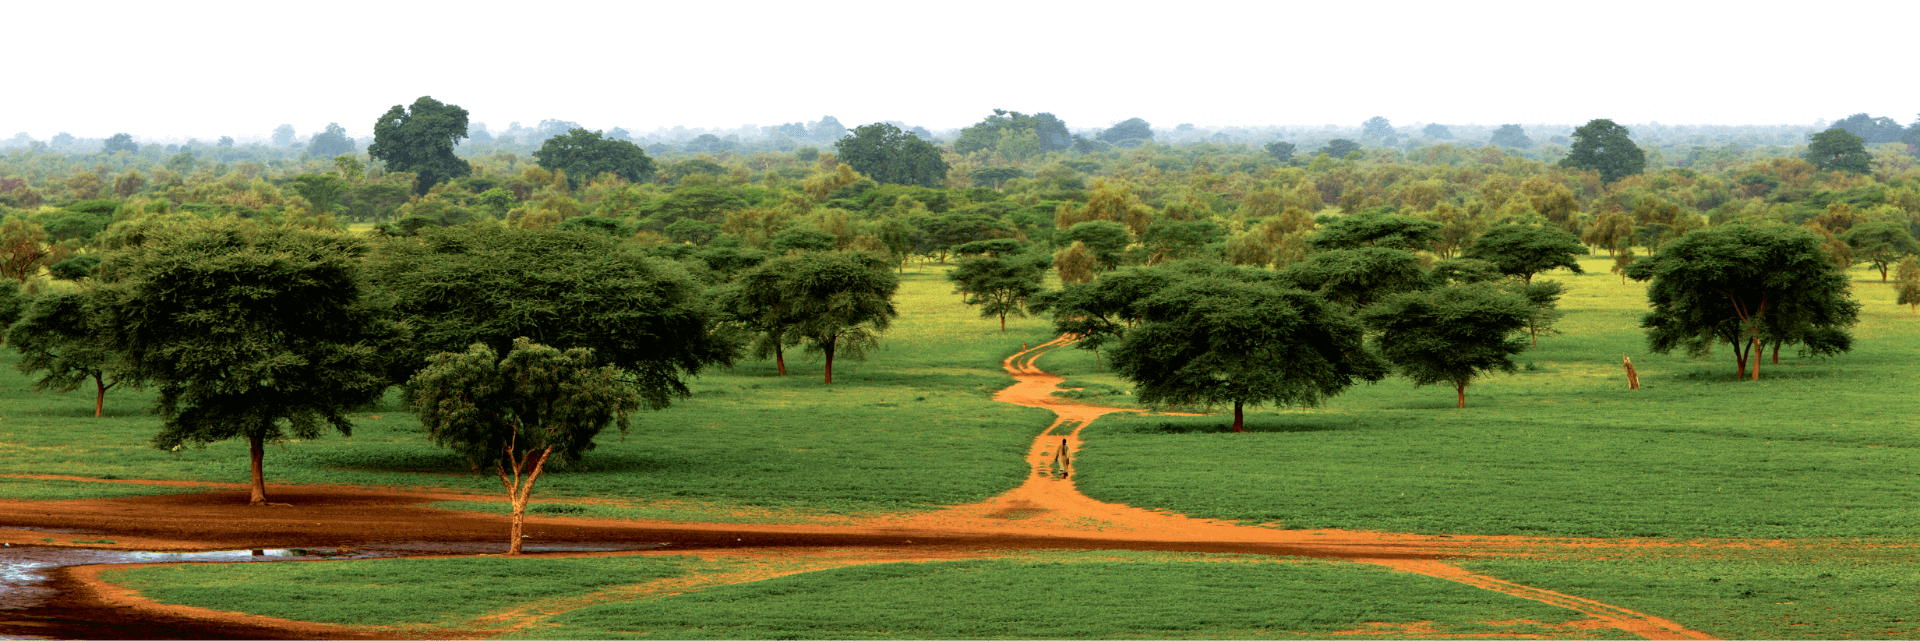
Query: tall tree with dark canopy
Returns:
{"type": "Point", "coordinates": [1211, 341]}
{"type": "Point", "coordinates": [999, 284]}
{"type": "Point", "coordinates": [1281, 151]}
{"type": "Point", "coordinates": [1745, 285]}
{"type": "Point", "coordinates": [585, 154]}
{"type": "Point", "coordinates": [1338, 148]}
{"type": "Point", "coordinates": [1837, 149]}
{"type": "Point", "coordinates": [1603, 146]}
{"type": "Point", "coordinates": [885, 153]}
{"type": "Point", "coordinates": [1437, 131]}
{"type": "Point", "coordinates": [1048, 130]}
{"type": "Point", "coordinates": [1376, 127]}
{"type": "Point", "coordinates": [1131, 132]}
{"type": "Point", "coordinates": [421, 140]}
{"type": "Point", "coordinates": [1521, 251]}
{"type": "Point", "coordinates": [247, 331]}
{"type": "Point", "coordinates": [1450, 334]}
{"type": "Point", "coordinates": [457, 286]}
{"type": "Point", "coordinates": [120, 142]}
{"type": "Point", "coordinates": [518, 412]}
{"type": "Point", "coordinates": [60, 338]}
{"type": "Point", "coordinates": [1871, 130]}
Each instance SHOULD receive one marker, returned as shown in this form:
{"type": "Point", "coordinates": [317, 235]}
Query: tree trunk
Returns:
{"type": "Point", "coordinates": [1096, 361]}
{"type": "Point", "coordinates": [1003, 322]}
{"type": "Point", "coordinates": [518, 491]}
{"type": "Point", "coordinates": [257, 447]}
{"type": "Point", "coordinates": [100, 397]}
{"type": "Point", "coordinates": [1756, 357]}
{"type": "Point", "coordinates": [828, 349]}
{"type": "Point", "coordinates": [1239, 420]}
{"type": "Point", "coordinates": [1461, 387]}
{"type": "Point", "coordinates": [1776, 353]}
{"type": "Point", "coordinates": [780, 358]}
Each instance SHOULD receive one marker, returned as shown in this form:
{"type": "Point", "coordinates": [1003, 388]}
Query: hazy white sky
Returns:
{"type": "Point", "coordinates": [198, 68]}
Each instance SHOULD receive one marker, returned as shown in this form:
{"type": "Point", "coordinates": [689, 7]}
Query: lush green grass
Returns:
{"type": "Point", "coordinates": [390, 591]}
{"type": "Point", "coordinates": [1182, 596]}
{"type": "Point", "coordinates": [56, 490]}
{"type": "Point", "coordinates": [912, 427]}
{"type": "Point", "coordinates": [1817, 448]}
{"type": "Point", "coordinates": [1792, 593]}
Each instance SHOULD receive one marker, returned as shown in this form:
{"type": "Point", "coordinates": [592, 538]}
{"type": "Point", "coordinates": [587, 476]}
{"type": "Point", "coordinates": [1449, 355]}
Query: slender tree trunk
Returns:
{"type": "Point", "coordinates": [257, 448]}
{"type": "Point", "coordinates": [100, 398]}
{"type": "Point", "coordinates": [828, 348]}
{"type": "Point", "coordinates": [1461, 388]}
{"type": "Point", "coordinates": [780, 358]}
{"type": "Point", "coordinates": [519, 490]}
{"type": "Point", "coordinates": [1739, 361]}
{"type": "Point", "coordinates": [1096, 361]}
{"type": "Point", "coordinates": [1239, 420]}
{"type": "Point", "coordinates": [1003, 322]}
{"type": "Point", "coordinates": [1776, 352]}
{"type": "Point", "coordinates": [1756, 357]}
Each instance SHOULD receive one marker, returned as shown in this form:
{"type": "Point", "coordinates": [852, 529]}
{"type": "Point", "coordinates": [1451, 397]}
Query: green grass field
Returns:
{"type": "Point", "coordinates": [1817, 448]}
{"type": "Point", "coordinates": [911, 428]}
{"type": "Point", "coordinates": [1046, 595]}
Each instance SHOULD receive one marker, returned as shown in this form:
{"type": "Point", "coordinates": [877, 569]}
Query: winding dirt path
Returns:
{"type": "Point", "coordinates": [1045, 512]}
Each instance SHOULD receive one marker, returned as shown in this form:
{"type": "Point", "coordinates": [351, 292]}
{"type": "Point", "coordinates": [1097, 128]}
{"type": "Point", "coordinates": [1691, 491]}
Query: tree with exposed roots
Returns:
{"type": "Point", "coordinates": [247, 331]}
{"type": "Point", "coordinates": [517, 413]}
{"type": "Point", "coordinates": [1211, 341]}
{"type": "Point", "coordinates": [1747, 286]}
{"type": "Point", "coordinates": [1450, 334]}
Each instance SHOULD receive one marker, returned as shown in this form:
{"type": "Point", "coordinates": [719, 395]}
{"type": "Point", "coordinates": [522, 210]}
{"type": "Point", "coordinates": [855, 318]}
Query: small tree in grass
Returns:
{"type": "Point", "coordinates": [999, 284]}
{"type": "Point", "coordinates": [61, 338]}
{"type": "Point", "coordinates": [1622, 259]}
{"type": "Point", "coordinates": [1450, 334]}
{"type": "Point", "coordinates": [1524, 250]}
{"type": "Point", "coordinates": [517, 412]}
{"type": "Point", "coordinates": [1210, 341]}
{"type": "Point", "coordinates": [1906, 281]}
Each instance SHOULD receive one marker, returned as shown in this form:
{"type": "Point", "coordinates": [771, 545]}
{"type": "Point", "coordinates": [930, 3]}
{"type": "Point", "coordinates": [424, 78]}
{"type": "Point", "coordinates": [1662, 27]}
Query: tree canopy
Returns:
{"type": "Point", "coordinates": [1603, 146]}
{"type": "Point", "coordinates": [1129, 133]}
{"type": "Point", "coordinates": [585, 154]}
{"type": "Point", "coordinates": [1450, 334]}
{"type": "Point", "coordinates": [247, 331]}
{"type": "Point", "coordinates": [1521, 251]}
{"type": "Point", "coordinates": [60, 337]}
{"type": "Point", "coordinates": [1210, 341]}
{"type": "Point", "coordinates": [1511, 136]}
{"type": "Point", "coordinates": [885, 153]}
{"type": "Point", "coordinates": [834, 303]}
{"type": "Point", "coordinates": [515, 413]}
{"type": "Point", "coordinates": [1746, 285]}
{"type": "Point", "coordinates": [1881, 243]}
{"type": "Point", "coordinates": [421, 140]}
{"type": "Point", "coordinates": [1375, 229]}
{"type": "Point", "coordinates": [1837, 149]}
{"type": "Point", "coordinates": [999, 283]}
{"type": "Point", "coordinates": [1002, 130]}
{"type": "Point", "coordinates": [330, 143]}
{"type": "Point", "coordinates": [457, 286]}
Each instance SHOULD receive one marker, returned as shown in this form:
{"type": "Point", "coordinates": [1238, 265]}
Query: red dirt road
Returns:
{"type": "Point", "coordinates": [1046, 512]}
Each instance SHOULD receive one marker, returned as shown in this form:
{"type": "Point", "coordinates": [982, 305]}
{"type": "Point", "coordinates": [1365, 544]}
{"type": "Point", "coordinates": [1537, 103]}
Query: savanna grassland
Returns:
{"type": "Point", "coordinates": [1808, 471]}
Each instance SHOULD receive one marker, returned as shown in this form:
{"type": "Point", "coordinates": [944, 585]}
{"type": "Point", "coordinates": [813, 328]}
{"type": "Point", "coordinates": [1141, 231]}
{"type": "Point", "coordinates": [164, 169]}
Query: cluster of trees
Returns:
{"type": "Point", "coordinates": [517, 345]}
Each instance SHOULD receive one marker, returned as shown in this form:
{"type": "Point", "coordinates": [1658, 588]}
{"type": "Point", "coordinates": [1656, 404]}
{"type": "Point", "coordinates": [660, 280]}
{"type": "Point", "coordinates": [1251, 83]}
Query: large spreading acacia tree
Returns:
{"type": "Point", "coordinates": [456, 286]}
{"type": "Point", "coordinates": [834, 303]}
{"type": "Point", "coordinates": [999, 284]}
{"type": "Point", "coordinates": [1210, 341]}
{"type": "Point", "coordinates": [1747, 286]}
{"type": "Point", "coordinates": [1881, 243]}
{"type": "Point", "coordinates": [516, 413]}
{"type": "Point", "coordinates": [247, 331]}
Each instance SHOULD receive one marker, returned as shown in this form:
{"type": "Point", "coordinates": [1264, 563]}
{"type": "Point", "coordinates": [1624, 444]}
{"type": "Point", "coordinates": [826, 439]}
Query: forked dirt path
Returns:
{"type": "Point", "coordinates": [1045, 512]}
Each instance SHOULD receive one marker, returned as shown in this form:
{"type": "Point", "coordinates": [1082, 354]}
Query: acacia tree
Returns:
{"type": "Point", "coordinates": [1837, 149]}
{"type": "Point", "coordinates": [247, 331]}
{"type": "Point", "coordinates": [1450, 334]}
{"type": "Point", "coordinates": [1374, 229]}
{"type": "Point", "coordinates": [1745, 285]}
{"type": "Point", "coordinates": [60, 337]}
{"type": "Point", "coordinates": [999, 284]}
{"type": "Point", "coordinates": [517, 412]}
{"type": "Point", "coordinates": [1907, 283]}
{"type": "Point", "coordinates": [1881, 243]}
{"type": "Point", "coordinates": [1210, 341]}
{"type": "Point", "coordinates": [1524, 250]}
{"type": "Point", "coordinates": [23, 248]}
{"type": "Point", "coordinates": [834, 303]}
{"type": "Point", "coordinates": [1357, 277]}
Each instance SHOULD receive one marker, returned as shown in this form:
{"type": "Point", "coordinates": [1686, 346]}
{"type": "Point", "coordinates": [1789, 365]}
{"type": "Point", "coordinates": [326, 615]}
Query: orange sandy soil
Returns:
{"type": "Point", "coordinates": [1046, 512]}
